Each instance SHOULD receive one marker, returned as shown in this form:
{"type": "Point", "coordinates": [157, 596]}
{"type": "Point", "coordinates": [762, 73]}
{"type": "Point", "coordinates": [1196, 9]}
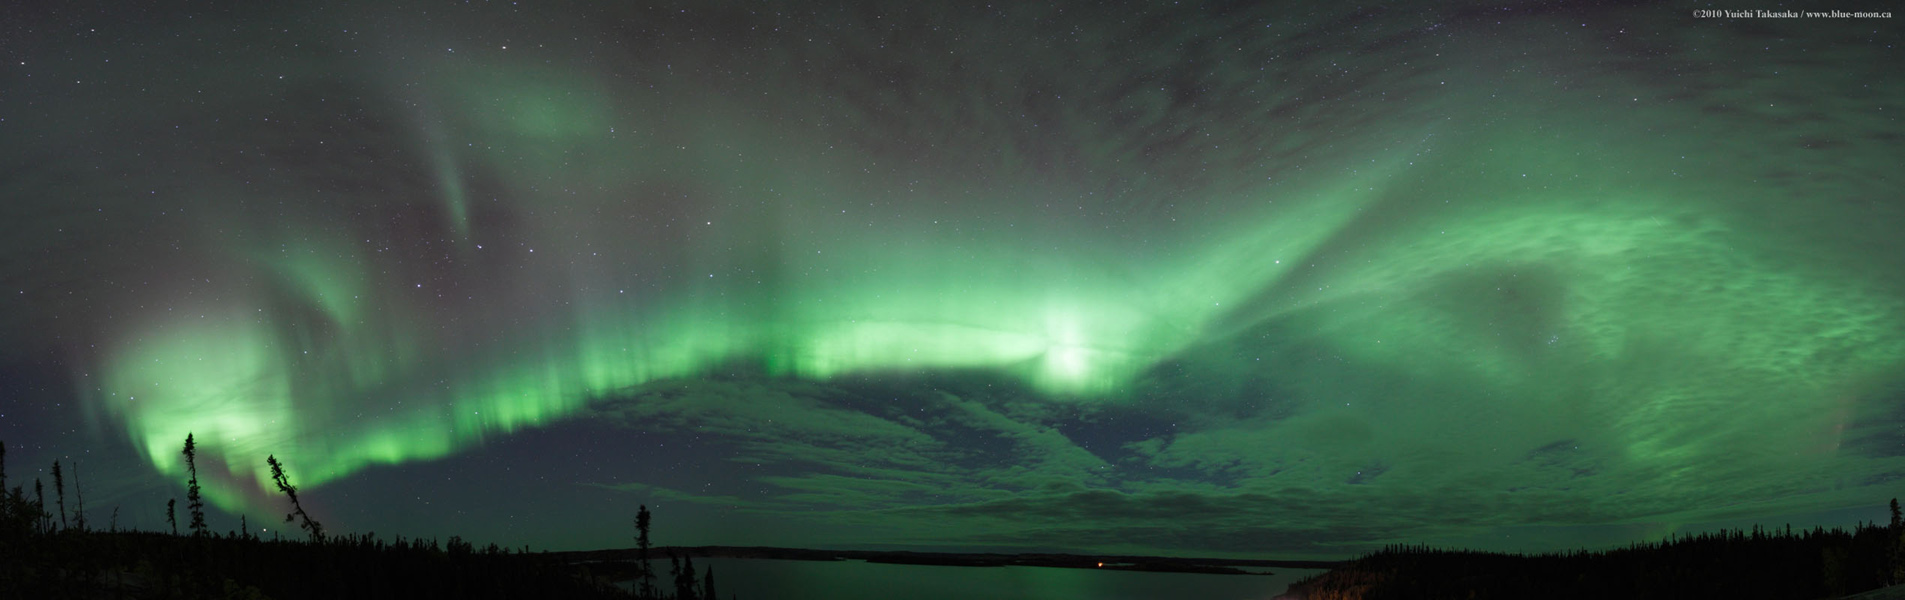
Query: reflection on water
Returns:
{"type": "Point", "coordinates": [757, 579]}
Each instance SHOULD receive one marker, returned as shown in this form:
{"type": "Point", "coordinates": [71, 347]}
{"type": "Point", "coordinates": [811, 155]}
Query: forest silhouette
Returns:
{"type": "Point", "coordinates": [1735, 564]}
{"type": "Point", "coordinates": [47, 551]}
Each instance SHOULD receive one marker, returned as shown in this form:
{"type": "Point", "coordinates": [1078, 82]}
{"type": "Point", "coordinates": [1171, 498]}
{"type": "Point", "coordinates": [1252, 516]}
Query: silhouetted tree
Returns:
{"type": "Point", "coordinates": [707, 585]}
{"type": "Point", "coordinates": [297, 509]}
{"type": "Point", "coordinates": [7, 508]}
{"type": "Point", "coordinates": [690, 584]}
{"type": "Point", "coordinates": [684, 575]}
{"type": "Point", "coordinates": [59, 491]}
{"type": "Point", "coordinates": [11, 508]}
{"type": "Point", "coordinates": [1895, 554]}
{"type": "Point", "coordinates": [39, 499]}
{"type": "Point", "coordinates": [171, 514]}
{"type": "Point", "coordinates": [79, 498]}
{"type": "Point", "coordinates": [192, 500]}
{"type": "Point", "coordinates": [644, 572]}
{"type": "Point", "coordinates": [19, 519]}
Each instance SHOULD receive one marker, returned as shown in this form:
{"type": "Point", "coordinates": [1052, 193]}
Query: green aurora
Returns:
{"type": "Point", "coordinates": [1245, 284]}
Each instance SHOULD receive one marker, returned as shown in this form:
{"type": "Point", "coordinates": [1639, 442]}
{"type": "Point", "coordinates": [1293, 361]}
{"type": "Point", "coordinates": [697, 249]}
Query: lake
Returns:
{"type": "Point", "coordinates": [762, 579]}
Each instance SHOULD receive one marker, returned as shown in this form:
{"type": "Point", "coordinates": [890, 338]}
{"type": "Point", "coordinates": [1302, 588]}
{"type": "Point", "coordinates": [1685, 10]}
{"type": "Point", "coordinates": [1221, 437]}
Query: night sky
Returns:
{"type": "Point", "coordinates": [1169, 278]}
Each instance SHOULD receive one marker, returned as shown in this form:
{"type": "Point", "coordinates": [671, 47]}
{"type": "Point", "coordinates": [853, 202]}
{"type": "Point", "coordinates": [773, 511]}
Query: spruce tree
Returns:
{"type": "Point", "coordinates": [1896, 553]}
{"type": "Point", "coordinates": [686, 588]}
{"type": "Point", "coordinates": [284, 485]}
{"type": "Point", "coordinates": [59, 491]}
{"type": "Point", "coordinates": [79, 497]}
{"type": "Point", "coordinates": [39, 495]}
{"type": "Point", "coordinates": [192, 500]}
{"type": "Point", "coordinates": [707, 585]}
{"type": "Point", "coordinates": [15, 507]}
{"type": "Point", "coordinates": [645, 573]}
{"type": "Point", "coordinates": [674, 572]}
{"type": "Point", "coordinates": [171, 514]}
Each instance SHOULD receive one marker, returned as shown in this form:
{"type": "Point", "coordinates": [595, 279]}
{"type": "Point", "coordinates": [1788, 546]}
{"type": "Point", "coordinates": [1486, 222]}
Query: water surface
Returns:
{"type": "Point", "coordinates": [761, 579]}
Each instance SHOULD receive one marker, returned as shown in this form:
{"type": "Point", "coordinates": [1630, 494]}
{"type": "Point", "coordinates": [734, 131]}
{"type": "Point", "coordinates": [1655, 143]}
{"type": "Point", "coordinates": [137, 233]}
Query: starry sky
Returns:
{"type": "Point", "coordinates": [1228, 278]}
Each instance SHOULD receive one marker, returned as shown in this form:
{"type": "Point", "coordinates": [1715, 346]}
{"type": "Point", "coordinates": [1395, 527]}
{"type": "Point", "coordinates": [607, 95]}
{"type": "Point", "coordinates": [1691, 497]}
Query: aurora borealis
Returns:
{"type": "Point", "coordinates": [1199, 279]}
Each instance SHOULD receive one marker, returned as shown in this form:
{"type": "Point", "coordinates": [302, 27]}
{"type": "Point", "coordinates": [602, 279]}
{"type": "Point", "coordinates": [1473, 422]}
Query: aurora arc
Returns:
{"type": "Point", "coordinates": [1071, 327]}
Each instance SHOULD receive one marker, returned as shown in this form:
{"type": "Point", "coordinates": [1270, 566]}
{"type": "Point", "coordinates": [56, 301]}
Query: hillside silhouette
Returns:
{"type": "Point", "coordinates": [1737, 564]}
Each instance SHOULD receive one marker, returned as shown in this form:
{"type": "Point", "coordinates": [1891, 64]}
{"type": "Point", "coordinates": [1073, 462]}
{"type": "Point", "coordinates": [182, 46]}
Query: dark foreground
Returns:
{"type": "Point", "coordinates": [151, 565]}
{"type": "Point", "coordinates": [1733, 565]}
{"type": "Point", "coordinates": [147, 565]}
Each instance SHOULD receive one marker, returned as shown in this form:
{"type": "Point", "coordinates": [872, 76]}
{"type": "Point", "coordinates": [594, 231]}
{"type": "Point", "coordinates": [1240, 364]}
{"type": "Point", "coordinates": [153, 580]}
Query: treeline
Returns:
{"type": "Point", "coordinates": [137, 564]}
{"type": "Point", "coordinates": [1737, 564]}
{"type": "Point", "coordinates": [47, 551]}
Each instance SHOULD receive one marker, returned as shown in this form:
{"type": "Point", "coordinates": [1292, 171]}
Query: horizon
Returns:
{"type": "Point", "coordinates": [1225, 281]}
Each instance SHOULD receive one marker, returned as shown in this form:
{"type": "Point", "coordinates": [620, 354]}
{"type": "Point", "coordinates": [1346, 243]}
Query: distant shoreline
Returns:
{"type": "Point", "coordinates": [1149, 564]}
